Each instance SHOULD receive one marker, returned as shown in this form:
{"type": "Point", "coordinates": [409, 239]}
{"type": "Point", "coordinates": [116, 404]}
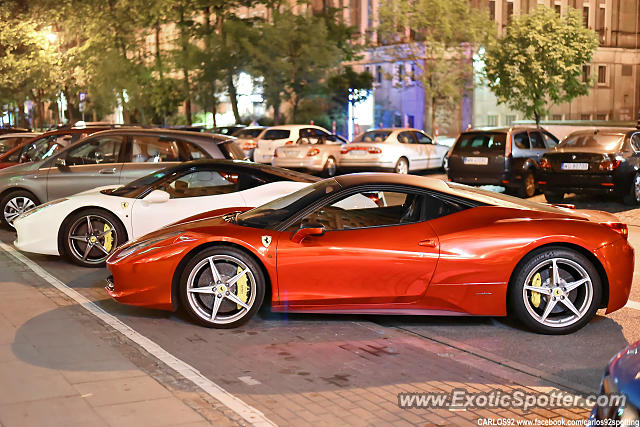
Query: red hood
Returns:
{"type": "Point", "coordinates": [7, 164]}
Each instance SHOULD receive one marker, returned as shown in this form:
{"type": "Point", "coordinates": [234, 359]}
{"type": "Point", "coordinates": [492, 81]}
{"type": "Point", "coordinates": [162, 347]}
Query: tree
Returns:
{"type": "Point", "coordinates": [539, 61]}
{"type": "Point", "coordinates": [437, 38]}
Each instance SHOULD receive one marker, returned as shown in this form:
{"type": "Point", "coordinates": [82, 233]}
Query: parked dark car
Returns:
{"type": "Point", "coordinates": [621, 378]}
{"type": "Point", "coordinates": [600, 160]}
{"type": "Point", "coordinates": [506, 157]}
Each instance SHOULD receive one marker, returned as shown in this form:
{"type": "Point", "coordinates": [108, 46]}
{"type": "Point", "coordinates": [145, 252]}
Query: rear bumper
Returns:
{"type": "Point", "coordinates": [366, 164]}
{"type": "Point", "coordinates": [571, 183]}
{"type": "Point", "coordinates": [262, 156]}
{"type": "Point", "coordinates": [305, 163]}
{"type": "Point", "coordinates": [502, 179]}
{"type": "Point", "coordinates": [617, 258]}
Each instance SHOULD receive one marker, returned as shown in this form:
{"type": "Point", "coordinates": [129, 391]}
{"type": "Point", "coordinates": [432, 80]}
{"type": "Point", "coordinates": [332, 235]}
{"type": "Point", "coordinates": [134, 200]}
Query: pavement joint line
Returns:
{"type": "Point", "coordinates": [565, 384]}
{"type": "Point", "coordinates": [244, 410]}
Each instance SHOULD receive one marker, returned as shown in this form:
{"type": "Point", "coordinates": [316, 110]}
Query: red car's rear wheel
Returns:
{"type": "Point", "coordinates": [555, 291]}
{"type": "Point", "coordinates": [221, 287]}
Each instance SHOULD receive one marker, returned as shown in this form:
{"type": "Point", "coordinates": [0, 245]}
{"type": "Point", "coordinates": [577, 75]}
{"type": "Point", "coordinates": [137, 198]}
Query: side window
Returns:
{"type": "Point", "coordinates": [151, 149]}
{"type": "Point", "coordinates": [521, 140]}
{"type": "Point", "coordinates": [635, 142]}
{"type": "Point", "coordinates": [550, 140]}
{"type": "Point", "coordinates": [306, 132]}
{"type": "Point", "coordinates": [536, 141]}
{"type": "Point", "coordinates": [406, 138]}
{"type": "Point", "coordinates": [422, 138]}
{"type": "Point", "coordinates": [319, 132]}
{"type": "Point", "coordinates": [98, 150]}
{"type": "Point", "coordinates": [202, 183]}
{"type": "Point", "coordinates": [189, 151]}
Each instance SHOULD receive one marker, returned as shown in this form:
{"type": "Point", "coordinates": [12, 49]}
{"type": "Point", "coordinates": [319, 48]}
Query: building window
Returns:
{"type": "Point", "coordinates": [492, 120]}
{"type": "Point", "coordinates": [602, 75]}
{"type": "Point", "coordinates": [509, 119]}
{"type": "Point", "coordinates": [586, 73]}
{"type": "Point", "coordinates": [585, 116]}
{"type": "Point", "coordinates": [401, 72]}
{"type": "Point", "coordinates": [379, 73]}
{"type": "Point", "coordinates": [556, 117]}
{"type": "Point", "coordinates": [410, 121]}
{"type": "Point", "coordinates": [627, 70]}
{"type": "Point", "coordinates": [585, 16]}
{"type": "Point", "coordinates": [414, 73]}
{"type": "Point", "coordinates": [558, 8]}
{"type": "Point", "coordinates": [492, 10]}
{"type": "Point", "coordinates": [601, 116]}
{"type": "Point", "coordinates": [509, 12]}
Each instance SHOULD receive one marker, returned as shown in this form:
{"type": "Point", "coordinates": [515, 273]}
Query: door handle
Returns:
{"type": "Point", "coordinates": [429, 243]}
{"type": "Point", "coordinates": [110, 171]}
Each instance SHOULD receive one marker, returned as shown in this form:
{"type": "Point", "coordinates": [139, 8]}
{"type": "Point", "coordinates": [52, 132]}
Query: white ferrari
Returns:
{"type": "Point", "coordinates": [88, 226]}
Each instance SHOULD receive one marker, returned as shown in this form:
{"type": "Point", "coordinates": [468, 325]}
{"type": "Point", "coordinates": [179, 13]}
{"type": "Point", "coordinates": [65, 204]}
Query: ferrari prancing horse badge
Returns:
{"type": "Point", "coordinates": [266, 241]}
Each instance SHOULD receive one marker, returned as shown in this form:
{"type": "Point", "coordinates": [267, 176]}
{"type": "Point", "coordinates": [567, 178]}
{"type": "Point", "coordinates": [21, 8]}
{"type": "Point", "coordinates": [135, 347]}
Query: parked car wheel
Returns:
{"type": "Point", "coordinates": [555, 291]}
{"type": "Point", "coordinates": [528, 185]}
{"type": "Point", "coordinates": [15, 204]}
{"type": "Point", "coordinates": [221, 287]}
{"type": "Point", "coordinates": [329, 168]}
{"type": "Point", "coordinates": [89, 236]}
{"type": "Point", "coordinates": [633, 196]}
{"type": "Point", "coordinates": [553, 197]}
{"type": "Point", "coordinates": [402, 166]}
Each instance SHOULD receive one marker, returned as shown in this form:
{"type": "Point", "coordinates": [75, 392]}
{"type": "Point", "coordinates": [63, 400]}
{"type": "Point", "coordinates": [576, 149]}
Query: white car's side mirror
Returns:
{"type": "Point", "coordinates": [157, 196]}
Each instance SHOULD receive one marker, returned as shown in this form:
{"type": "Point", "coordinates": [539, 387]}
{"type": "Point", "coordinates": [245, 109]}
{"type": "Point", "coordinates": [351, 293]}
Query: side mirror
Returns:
{"type": "Point", "coordinates": [309, 229]}
{"type": "Point", "coordinates": [157, 196]}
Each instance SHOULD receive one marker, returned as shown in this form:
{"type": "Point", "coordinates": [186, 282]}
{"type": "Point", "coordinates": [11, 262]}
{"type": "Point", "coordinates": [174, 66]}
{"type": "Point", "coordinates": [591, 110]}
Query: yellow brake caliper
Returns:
{"type": "Point", "coordinates": [242, 287]}
{"type": "Point", "coordinates": [108, 238]}
{"type": "Point", "coordinates": [536, 282]}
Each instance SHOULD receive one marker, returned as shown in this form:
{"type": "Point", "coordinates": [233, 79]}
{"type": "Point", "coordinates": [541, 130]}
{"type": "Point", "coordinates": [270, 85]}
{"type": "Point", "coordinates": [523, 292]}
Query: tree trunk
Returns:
{"type": "Point", "coordinates": [69, 105]}
{"type": "Point", "coordinates": [434, 106]}
{"type": "Point", "coordinates": [157, 43]}
{"type": "Point", "coordinates": [426, 116]}
{"type": "Point", "coordinates": [185, 71]}
{"type": "Point", "coordinates": [214, 109]}
{"type": "Point", "coordinates": [233, 97]}
{"type": "Point", "coordinates": [21, 118]}
{"type": "Point", "coordinates": [276, 114]}
{"type": "Point", "coordinates": [536, 116]}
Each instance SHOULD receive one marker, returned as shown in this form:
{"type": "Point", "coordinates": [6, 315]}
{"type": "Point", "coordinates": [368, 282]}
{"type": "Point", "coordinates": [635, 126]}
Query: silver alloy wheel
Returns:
{"type": "Point", "coordinates": [213, 285]}
{"type": "Point", "coordinates": [92, 238]}
{"type": "Point", "coordinates": [636, 187]}
{"type": "Point", "coordinates": [402, 167]}
{"type": "Point", "coordinates": [529, 184]}
{"type": "Point", "coordinates": [16, 207]}
{"type": "Point", "coordinates": [565, 296]}
{"type": "Point", "coordinates": [330, 167]}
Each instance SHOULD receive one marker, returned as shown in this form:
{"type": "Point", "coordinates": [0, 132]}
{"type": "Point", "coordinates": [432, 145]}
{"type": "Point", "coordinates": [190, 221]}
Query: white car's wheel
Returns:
{"type": "Point", "coordinates": [329, 167]}
{"type": "Point", "coordinates": [402, 167]}
{"type": "Point", "coordinates": [88, 237]}
{"type": "Point", "coordinates": [555, 291]}
{"type": "Point", "coordinates": [221, 287]}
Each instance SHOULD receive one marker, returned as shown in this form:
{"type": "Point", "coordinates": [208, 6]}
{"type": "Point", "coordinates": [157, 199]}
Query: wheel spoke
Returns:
{"type": "Point", "coordinates": [214, 271]}
{"type": "Point", "coordinates": [11, 216]}
{"type": "Point", "coordinates": [539, 289]}
{"type": "Point", "coordinates": [104, 233]}
{"type": "Point", "coordinates": [86, 251]}
{"type": "Point", "coordinates": [555, 273]}
{"type": "Point", "coordinates": [548, 308]}
{"type": "Point", "coordinates": [202, 290]}
{"type": "Point", "coordinates": [237, 300]}
{"type": "Point", "coordinates": [237, 277]}
{"type": "Point", "coordinates": [79, 238]}
{"type": "Point", "coordinates": [571, 286]}
{"type": "Point", "coordinates": [89, 226]}
{"type": "Point", "coordinates": [102, 248]}
{"type": "Point", "coordinates": [567, 302]}
{"type": "Point", "coordinates": [12, 204]}
{"type": "Point", "coordinates": [215, 307]}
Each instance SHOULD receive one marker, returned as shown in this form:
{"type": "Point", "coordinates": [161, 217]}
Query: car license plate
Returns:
{"type": "Point", "coordinates": [290, 153]}
{"type": "Point", "coordinates": [358, 152]}
{"type": "Point", "coordinates": [575, 166]}
{"type": "Point", "coordinates": [482, 161]}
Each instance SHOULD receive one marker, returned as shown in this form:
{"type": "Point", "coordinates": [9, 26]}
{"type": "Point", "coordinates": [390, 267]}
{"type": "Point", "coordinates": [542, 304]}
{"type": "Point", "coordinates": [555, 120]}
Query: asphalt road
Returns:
{"type": "Point", "coordinates": [291, 351]}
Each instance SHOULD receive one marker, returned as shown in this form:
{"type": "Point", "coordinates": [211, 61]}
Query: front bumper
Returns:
{"type": "Point", "coordinates": [38, 235]}
{"type": "Point", "coordinates": [304, 163]}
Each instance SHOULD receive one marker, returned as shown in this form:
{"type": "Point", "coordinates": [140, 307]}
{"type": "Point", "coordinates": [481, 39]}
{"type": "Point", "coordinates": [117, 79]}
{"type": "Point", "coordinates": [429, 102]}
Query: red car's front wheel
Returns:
{"type": "Point", "coordinates": [221, 287]}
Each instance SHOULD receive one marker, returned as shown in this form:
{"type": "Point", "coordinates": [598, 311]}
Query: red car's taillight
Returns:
{"type": "Point", "coordinates": [545, 164]}
{"type": "Point", "coordinates": [313, 152]}
{"type": "Point", "coordinates": [618, 227]}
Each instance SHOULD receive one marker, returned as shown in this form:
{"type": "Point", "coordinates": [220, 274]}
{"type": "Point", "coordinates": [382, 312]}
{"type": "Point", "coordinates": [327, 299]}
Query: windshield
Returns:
{"type": "Point", "coordinates": [247, 133]}
{"type": "Point", "coordinates": [137, 187]}
{"type": "Point", "coordinates": [275, 212]}
{"type": "Point", "coordinates": [273, 134]}
{"type": "Point", "coordinates": [373, 136]}
{"type": "Point", "coordinates": [606, 142]}
{"type": "Point", "coordinates": [40, 149]}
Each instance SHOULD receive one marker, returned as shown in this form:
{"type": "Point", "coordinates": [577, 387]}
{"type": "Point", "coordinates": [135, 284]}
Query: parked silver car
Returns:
{"type": "Point", "coordinates": [105, 158]}
{"type": "Point", "coordinates": [399, 149]}
{"type": "Point", "coordinates": [318, 154]}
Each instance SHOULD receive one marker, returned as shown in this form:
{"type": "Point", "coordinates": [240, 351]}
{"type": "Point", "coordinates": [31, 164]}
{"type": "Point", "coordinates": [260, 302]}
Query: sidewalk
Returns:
{"type": "Point", "coordinates": [56, 369]}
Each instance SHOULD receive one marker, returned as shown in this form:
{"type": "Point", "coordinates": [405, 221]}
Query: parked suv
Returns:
{"type": "Point", "coordinates": [506, 157]}
{"type": "Point", "coordinates": [105, 158]}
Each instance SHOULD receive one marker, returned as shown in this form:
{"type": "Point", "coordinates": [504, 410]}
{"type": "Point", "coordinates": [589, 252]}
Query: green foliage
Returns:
{"type": "Point", "coordinates": [539, 61]}
{"type": "Point", "coordinates": [437, 37]}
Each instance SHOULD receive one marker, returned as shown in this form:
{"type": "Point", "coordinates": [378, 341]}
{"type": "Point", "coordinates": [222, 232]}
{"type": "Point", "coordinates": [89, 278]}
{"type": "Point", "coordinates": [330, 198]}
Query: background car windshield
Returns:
{"type": "Point", "coordinates": [137, 187]}
{"type": "Point", "coordinates": [275, 212]}
{"type": "Point", "coordinates": [481, 142]}
{"type": "Point", "coordinates": [232, 150]}
{"type": "Point", "coordinates": [274, 134]}
{"type": "Point", "coordinates": [602, 141]}
{"type": "Point", "coordinates": [247, 133]}
{"type": "Point", "coordinates": [373, 136]}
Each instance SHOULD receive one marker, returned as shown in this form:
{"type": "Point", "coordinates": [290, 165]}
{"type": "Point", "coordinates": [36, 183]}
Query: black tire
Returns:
{"type": "Point", "coordinates": [199, 306]}
{"type": "Point", "coordinates": [445, 161]}
{"type": "Point", "coordinates": [572, 268]}
{"type": "Point", "coordinates": [402, 166]}
{"type": "Point", "coordinates": [330, 168]}
{"type": "Point", "coordinates": [632, 198]}
{"type": "Point", "coordinates": [528, 185]}
{"type": "Point", "coordinates": [553, 197]}
{"type": "Point", "coordinates": [8, 210]}
{"type": "Point", "coordinates": [75, 250]}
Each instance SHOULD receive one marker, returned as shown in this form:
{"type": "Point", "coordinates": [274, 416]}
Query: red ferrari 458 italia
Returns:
{"type": "Point", "coordinates": [384, 244]}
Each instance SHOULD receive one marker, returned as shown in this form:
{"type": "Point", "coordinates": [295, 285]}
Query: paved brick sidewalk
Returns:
{"type": "Point", "coordinates": [57, 368]}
